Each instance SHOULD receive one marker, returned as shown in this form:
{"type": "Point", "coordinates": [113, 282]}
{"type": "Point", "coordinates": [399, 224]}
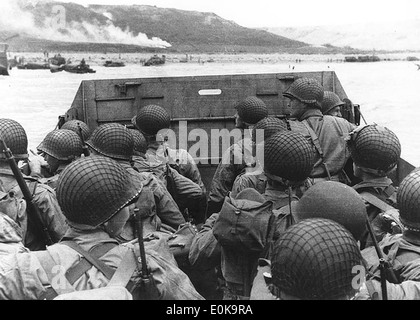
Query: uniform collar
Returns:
{"type": "Point", "coordinates": [311, 113]}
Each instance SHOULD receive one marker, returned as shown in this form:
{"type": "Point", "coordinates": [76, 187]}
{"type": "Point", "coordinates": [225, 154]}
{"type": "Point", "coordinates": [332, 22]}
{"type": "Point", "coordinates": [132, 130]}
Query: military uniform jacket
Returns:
{"type": "Point", "coordinates": [234, 161]}
{"type": "Point", "coordinates": [332, 133]}
{"type": "Point", "coordinates": [23, 276]}
{"type": "Point", "coordinates": [45, 199]}
{"type": "Point", "coordinates": [404, 257]}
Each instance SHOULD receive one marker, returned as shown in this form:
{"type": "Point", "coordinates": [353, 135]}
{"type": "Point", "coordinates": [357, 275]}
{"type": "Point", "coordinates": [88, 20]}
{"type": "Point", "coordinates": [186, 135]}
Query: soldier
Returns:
{"type": "Point", "coordinates": [254, 177]}
{"type": "Point", "coordinates": [325, 200]}
{"type": "Point", "coordinates": [331, 104]}
{"type": "Point", "coordinates": [328, 134]}
{"type": "Point", "coordinates": [315, 259]}
{"type": "Point", "coordinates": [14, 135]}
{"type": "Point", "coordinates": [401, 251]}
{"type": "Point", "coordinates": [288, 160]}
{"type": "Point", "coordinates": [95, 194]}
{"type": "Point", "coordinates": [74, 125]}
{"type": "Point", "coordinates": [152, 121]}
{"type": "Point", "coordinates": [140, 144]}
{"type": "Point", "coordinates": [59, 148]}
{"type": "Point", "coordinates": [114, 140]}
{"type": "Point", "coordinates": [375, 151]}
{"type": "Point", "coordinates": [239, 156]}
{"type": "Point", "coordinates": [185, 192]}
{"type": "Point", "coordinates": [335, 201]}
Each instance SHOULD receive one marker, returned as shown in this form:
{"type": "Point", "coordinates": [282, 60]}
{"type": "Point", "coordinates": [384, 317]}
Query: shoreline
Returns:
{"type": "Point", "coordinates": [98, 59]}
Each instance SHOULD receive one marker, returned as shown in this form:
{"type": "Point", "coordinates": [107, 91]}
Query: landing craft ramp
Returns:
{"type": "Point", "coordinates": [200, 102]}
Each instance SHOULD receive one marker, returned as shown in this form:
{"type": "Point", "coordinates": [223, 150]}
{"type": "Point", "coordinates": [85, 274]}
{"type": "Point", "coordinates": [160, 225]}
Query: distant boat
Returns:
{"type": "Point", "coordinates": [372, 58]}
{"type": "Point", "coordinates": [155, 60]}
{"type": "Point", "coordinates": [115, 64]}
{"type": "Point", "coordinates": [34, 66]}
{"type": "Point", "coordinates": [78, 69]}
{"type": "Point", "coordinates": [57, 60]}
{"type": "Point", "coordinates": [72, 68]}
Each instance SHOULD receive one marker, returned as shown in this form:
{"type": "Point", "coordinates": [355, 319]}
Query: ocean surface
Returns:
{"type": "Point", "coordinates": [387, 91]}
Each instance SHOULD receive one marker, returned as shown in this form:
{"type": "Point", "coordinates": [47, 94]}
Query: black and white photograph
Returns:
{"type": "Point", "coordinates": [209, 157]}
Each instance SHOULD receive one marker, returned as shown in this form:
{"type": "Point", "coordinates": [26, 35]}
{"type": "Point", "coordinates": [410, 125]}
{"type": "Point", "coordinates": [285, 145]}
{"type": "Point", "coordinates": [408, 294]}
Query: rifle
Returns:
{"type": "Point", "coordinates": [358, 109]}
{"type": "Point", "coordinates": [33, 211]}
{"type": "Point", "coordinates": [85, 147]}
{"type": "Point", "coordinates": [384, 267]}
{"type": "Point", "coordinates": [148, 289]}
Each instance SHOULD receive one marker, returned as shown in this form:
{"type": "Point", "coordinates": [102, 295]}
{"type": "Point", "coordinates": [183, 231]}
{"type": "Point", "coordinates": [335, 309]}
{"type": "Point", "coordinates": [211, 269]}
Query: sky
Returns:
{"type": "Point", "coordinates": [289, 13]}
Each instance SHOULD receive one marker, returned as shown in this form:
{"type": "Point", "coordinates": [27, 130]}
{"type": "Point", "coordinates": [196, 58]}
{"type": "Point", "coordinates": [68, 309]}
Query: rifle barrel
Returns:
{"type": "Point", "coordinates": [139, 231]}
{"type": "Point", "coordinates": [383, 263]}
{"type": "Point", "coordinates": [85, 147]}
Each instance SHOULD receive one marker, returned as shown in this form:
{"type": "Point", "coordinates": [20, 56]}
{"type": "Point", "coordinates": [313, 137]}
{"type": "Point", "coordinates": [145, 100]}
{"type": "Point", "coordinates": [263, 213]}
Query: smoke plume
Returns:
{"type": "Point", "coordinates": [15, 17]}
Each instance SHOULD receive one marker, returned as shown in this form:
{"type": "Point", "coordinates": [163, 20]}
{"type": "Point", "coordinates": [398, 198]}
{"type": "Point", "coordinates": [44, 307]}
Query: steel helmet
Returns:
{"type": "Point", "coordinates": [408, 200]}
{"type": "Point", "coordinates": [151, 119]}
{"type": "Point", "coordinates": [92, 190]}
{"type": "Point", "coordinates": [288, 155]}
{"type": "Point", "coordinates": [74, 125]}
{"type": "Point", "coordinates": [270, 125]}
{"type": "Point", "coordinates": [15, 137]}
{"type": "Point", "coordinates": [112, 140]}
{"type": "Point", "coordinates": [140, 143]}
{"type": "Point", "coordinates": [336, 201]}
{"type": "Point", "coordinates": [306, 90]}
{"type": "Point", "coordinates": [330, 101]}
{"type": "Point", "coordinates": [314, 260]}
{"type": "Point", "coordinates": [375, 147]}
{"type": "Point", "coordinates": [62, 144]}
{"type": "Point", "coordinates": [251, 110]}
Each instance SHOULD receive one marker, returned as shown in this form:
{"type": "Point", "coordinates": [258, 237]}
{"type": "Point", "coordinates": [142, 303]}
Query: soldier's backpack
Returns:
{"type": "Point", "coordinates": [243, 224]}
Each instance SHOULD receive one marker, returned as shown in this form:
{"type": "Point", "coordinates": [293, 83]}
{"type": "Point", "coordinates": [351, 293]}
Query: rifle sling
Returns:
{"type": "Point", "coordinates": [370, 198]}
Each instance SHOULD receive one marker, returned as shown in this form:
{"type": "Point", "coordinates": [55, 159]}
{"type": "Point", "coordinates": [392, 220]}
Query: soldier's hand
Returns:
{"type": "Point", "coordinates": [35, 162]}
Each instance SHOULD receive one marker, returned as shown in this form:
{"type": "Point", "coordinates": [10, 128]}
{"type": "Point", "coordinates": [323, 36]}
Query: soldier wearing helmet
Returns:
{"type": "Point", "coordinates": [140, 144]}
{"type": "Point", "coordinates": [335, 201]}
{"type": "Point", "coordinates": [402, 251]}
{"type": "Point", "coordinates": [78, 126]}
{"type": "Point", "coordinates": [328, 134]}
{"type": "Point", "coordinates": [115, 141]}
{"type": "Point", "coordinates": [95, 194]}
{"type": "Point", "coordinates": [254, 177]}
{"type": "Point", "coordinates": [331, 104]}
{"type": "Point", "coordinates": [154, 122]}
{"type": "Point", "coordinates": [59, 148]}
{"type": "Point", "coordinates": [238, 156]}
{"type": "Point", "coordinates": [375, 151]}
{"type": "Point", "coordinates": [288, 160]}
{"type": "Point", "coordinates": [44, 197]}
{"type": "Point", "coordinates": [314, 259]}
{"type": "Point", "coordinates": [186, 192]}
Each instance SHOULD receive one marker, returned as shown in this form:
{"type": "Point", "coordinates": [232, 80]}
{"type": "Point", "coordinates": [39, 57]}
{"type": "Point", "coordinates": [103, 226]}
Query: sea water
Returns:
{"type": "Point", "coordinates": [387, 91]}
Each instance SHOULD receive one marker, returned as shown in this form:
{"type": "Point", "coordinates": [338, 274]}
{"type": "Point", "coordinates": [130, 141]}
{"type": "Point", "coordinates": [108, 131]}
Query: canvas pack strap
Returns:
{"type": "Point", "coordinates": [56, 287]}
{"type": "Point", "coordinates": [75, 272]}
{"type": "Point", "coordinates": [317, 145]}
{"type": "Point", "coordinates": [125, 270]}
{"type": "Point", "coordinates": [91, 260]}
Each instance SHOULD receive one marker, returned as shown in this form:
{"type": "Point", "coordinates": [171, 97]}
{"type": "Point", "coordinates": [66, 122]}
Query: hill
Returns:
{"type": "Point", "coordinates": [136, 28]}
{"type": "Point", "coordinates": [399, 36]}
